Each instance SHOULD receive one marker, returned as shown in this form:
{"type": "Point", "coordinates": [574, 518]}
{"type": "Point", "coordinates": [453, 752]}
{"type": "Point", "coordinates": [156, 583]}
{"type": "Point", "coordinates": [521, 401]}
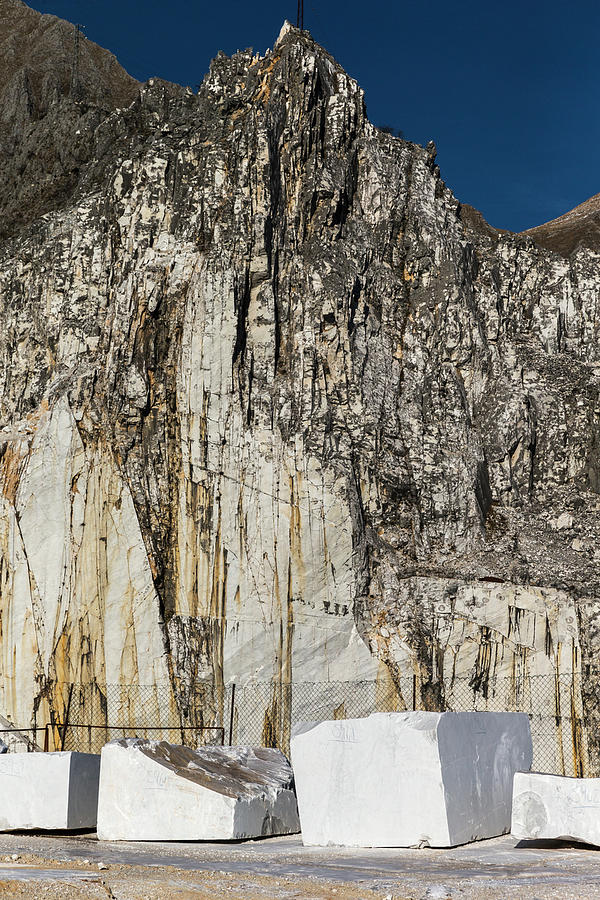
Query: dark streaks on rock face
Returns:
{"type": "Point", "coordinates": [317, 420]}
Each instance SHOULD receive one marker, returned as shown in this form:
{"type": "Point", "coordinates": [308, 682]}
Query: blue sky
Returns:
{"type": "Point", "coordinates": [509, 91]}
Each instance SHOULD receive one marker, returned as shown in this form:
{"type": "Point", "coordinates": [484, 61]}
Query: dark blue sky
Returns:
{"type": "Point", "coordinates": [508, 91]}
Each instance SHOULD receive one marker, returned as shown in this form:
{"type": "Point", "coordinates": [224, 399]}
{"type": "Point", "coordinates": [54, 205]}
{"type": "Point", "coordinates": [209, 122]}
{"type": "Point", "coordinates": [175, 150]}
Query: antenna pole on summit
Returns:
{"type": "Point", "coordinates": [300, 15]}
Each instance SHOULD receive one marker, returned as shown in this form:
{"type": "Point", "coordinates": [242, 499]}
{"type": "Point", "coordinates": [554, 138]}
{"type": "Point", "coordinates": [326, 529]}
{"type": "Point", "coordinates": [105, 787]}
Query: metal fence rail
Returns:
{"type": "Point", "coordinates": [25, 740]}
{"type": "Point", "coordinates": [264, 713]}
{"type": "Point", "coordinates": [91, 738]}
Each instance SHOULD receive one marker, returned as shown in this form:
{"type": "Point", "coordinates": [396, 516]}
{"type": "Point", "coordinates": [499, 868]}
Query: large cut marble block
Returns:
{"type": "Point", "coordinates": [152, 790]}
{"type": "Point", "coordinates": [553, 806]}
{"type": "Point", "coordinates": [397, 779]}
{"type": "Point", "coordinates": [48, 791]}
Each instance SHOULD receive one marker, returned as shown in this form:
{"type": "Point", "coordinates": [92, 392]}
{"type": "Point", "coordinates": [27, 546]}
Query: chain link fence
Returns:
{"type": "Point", "coordinates": [23, 740]}
{"type": "Point", "coordinates": [264, 713]}
{"type": "Point", "coordinates": [553, 704]}
{"type": "Point", "coordinates": [93, 737]}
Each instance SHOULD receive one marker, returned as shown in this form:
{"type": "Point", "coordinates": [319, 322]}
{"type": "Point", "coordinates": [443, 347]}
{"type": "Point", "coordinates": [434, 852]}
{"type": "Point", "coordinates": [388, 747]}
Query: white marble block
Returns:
{"type": "Point", "coordinates": [48, 791]}
{"type": "Point", "coordinates": [554, 806]}
{"type": "Point", "coordinates": [152, 790]}
{"type": "Point", "coordinates": [397, 779]}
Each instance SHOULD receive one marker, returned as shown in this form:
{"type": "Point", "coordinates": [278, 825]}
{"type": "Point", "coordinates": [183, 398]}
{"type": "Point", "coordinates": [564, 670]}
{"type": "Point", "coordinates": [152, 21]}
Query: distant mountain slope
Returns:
{"type": "Point", "coordinates": [54, 85]}
{"type": "Point", "coordinates": [37, 56]}
{"type": "Point", "coordinates": [580, 226]}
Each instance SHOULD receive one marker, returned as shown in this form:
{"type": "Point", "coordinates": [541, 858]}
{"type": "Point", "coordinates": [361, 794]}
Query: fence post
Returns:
{"type": "Point", "coordinates": [414, 703]}
{"type": "Point", "coordinates": [231, 714]}
{"type": "Point", "coordinates": [67, 711]}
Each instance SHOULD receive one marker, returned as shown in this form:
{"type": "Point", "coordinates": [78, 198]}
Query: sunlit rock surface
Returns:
{"type": "Point", "coordinates": [548, 807]}
{"type": "Point", "coordinates": [402, 779]}
{"type": "Point", "coordinates": [272, 407]}
{"type": "Point", "coordinates": [151, 790]}
{"type": "Point", "coordinates": [49, 791]}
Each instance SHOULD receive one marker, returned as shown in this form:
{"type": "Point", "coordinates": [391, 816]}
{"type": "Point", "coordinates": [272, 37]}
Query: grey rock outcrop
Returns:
{"type": "Point", "coordinates": [273, 406]}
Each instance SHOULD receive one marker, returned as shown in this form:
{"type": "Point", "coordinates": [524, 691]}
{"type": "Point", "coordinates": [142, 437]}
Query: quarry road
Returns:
{"type": "Point", "coordinates": [70, 866]}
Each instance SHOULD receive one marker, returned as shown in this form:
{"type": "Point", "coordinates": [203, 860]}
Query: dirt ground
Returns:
{"type": "Point", "coordinates": [137, 883]}
{"type": "Point", "coordinates": [66, 867]}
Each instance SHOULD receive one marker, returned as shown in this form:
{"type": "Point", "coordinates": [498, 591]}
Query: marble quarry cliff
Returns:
{"type": "Point", "coordinates": [274, 406]}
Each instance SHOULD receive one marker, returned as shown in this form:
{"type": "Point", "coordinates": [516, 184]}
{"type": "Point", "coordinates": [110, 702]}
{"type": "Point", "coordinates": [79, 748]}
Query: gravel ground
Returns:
{"type": "Point", "coordinates": [67, 866]}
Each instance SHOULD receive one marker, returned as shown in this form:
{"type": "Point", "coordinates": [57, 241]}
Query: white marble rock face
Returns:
{"type": "Point", "coordinates": [48, 791]}
{"type": "Point", "coordinates": [549, 807]}
{"type": "Point", "coordinates": [222, 385]}
{"type": "Point", "coordinates": [397, 779]}
{"type": "Point", "coordinates": [152, 790]}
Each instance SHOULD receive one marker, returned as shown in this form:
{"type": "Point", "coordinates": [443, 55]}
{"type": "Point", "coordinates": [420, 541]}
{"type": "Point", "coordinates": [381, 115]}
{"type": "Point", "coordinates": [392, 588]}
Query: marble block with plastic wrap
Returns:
{"type": "Point", "coordinates": [403, 779]}
{"type": "Point", "coordinates": [48, 791]}
{"type": "Point", "coordinates": [153, 790]}
{"type": "Point", "coordinates": [556, 807]}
